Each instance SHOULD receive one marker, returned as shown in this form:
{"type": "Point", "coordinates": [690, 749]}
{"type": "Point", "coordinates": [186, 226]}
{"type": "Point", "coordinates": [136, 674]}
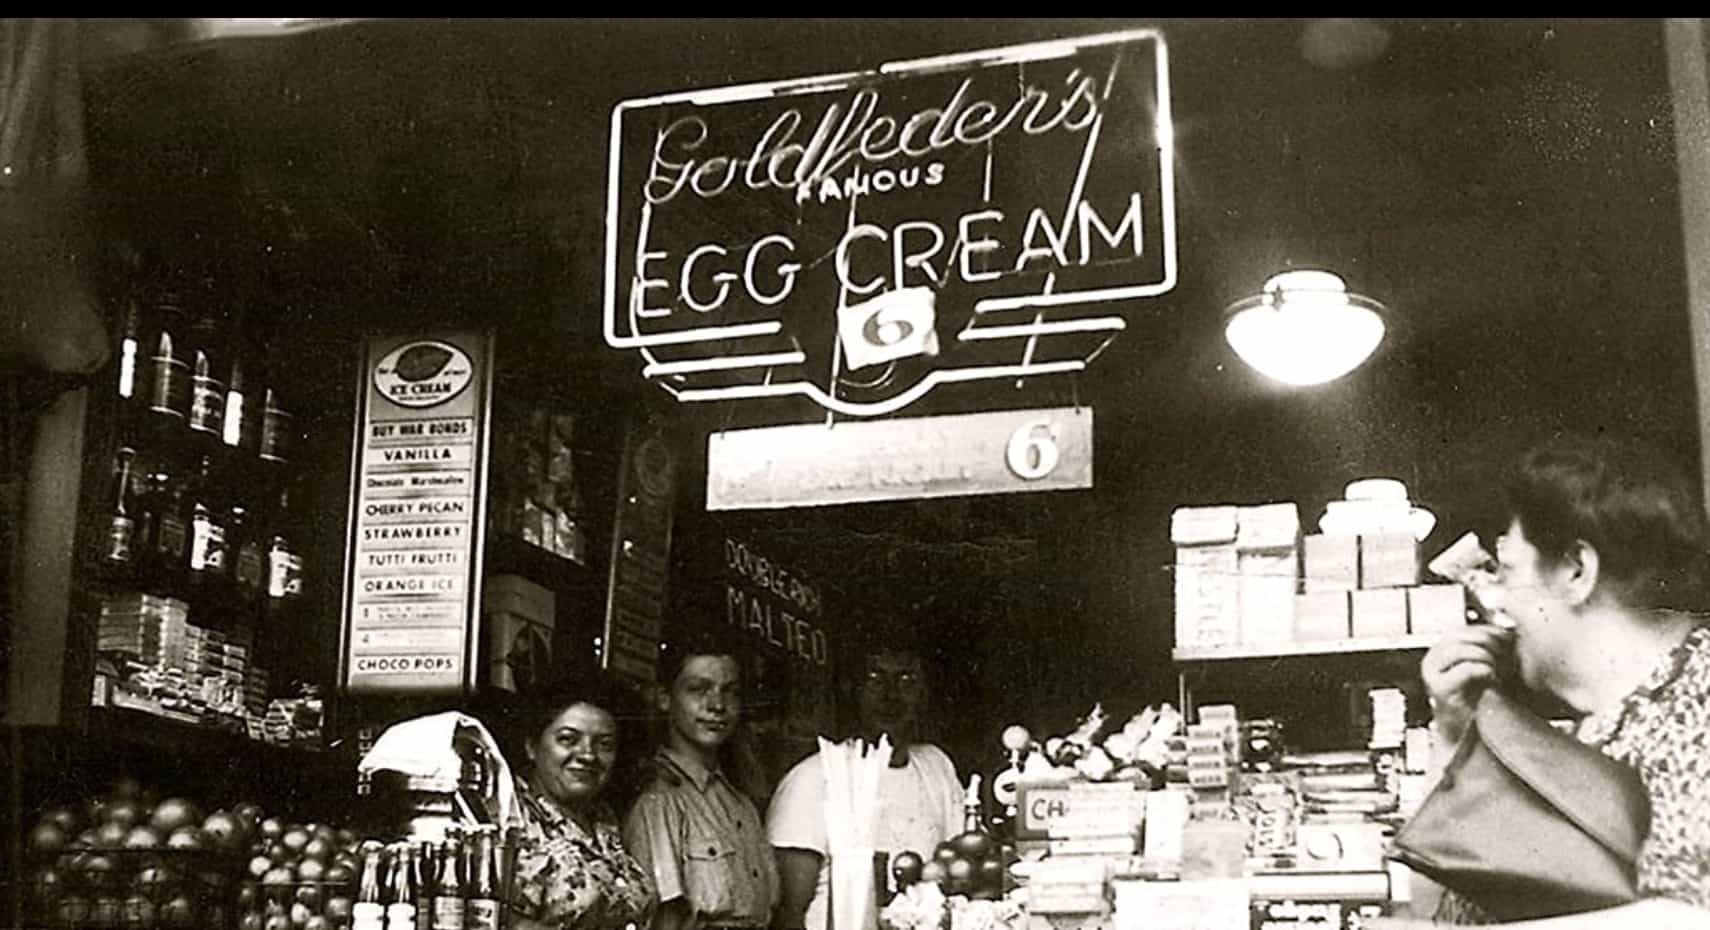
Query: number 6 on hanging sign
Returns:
{"type": "Point", "coordinates": [1032, 451]}
{"type": "Point", "coordinates": [893, 325]}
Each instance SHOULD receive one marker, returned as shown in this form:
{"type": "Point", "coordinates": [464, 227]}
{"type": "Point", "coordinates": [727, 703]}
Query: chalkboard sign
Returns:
{"type": "Point", "coordinates": [860, 238]}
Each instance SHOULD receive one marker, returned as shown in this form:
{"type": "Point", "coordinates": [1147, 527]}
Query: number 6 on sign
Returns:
{"type": "Point", "coordinates": [1032, 451]}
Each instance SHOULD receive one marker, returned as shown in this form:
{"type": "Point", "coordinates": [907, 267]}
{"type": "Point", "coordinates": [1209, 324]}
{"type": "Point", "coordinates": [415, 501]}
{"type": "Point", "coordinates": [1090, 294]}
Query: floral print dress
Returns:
{"type": "Point", "coordinates": [575, 879]}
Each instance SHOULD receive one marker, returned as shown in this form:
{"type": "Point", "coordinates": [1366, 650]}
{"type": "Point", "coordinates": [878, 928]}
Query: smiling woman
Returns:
{"type": "Point", "coordinates": [572, 868]}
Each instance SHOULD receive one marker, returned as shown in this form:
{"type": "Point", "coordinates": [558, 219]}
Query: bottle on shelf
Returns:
{"type": "Point", "coordinates": [483, 907]}
{"type": "Point", "coordinates": [284, 558]}
{"type": "Point", "coordinates": [207, 562]}
{"type": "Point", "coordinates": [168, 544]}
{"type": "Point", "coordinates": [119, 550]}
{"type": "Point", "coordinates": [246, 551]}
{"type": "Point", "coordinates": [168, 372]}
{"type": "Point", "coordinates": [208, 368]}
{"type": "Point", "coordinates": [450, 894]}
{"type": "Point", "coordinates": [274, 445]}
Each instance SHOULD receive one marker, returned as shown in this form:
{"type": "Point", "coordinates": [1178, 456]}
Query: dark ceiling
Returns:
{"type": "Point", "coordinates": [1507, 188]}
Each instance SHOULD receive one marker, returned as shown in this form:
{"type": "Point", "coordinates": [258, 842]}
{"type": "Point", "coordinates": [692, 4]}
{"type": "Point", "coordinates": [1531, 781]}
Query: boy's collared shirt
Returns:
{"type": "Point", "coordinates": [704, 841]}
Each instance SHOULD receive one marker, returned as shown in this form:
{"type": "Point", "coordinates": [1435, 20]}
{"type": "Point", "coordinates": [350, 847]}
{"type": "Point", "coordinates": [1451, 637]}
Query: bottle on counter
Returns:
{"type": "Point", "coordinates": [427, 882]}
{"type": "Point", "coordinates": [483, 908]}
{"type": "Point", "coordinates": [401, 889]}
{"type": "Point", "coordinates": [368, 913]}
{"type": "Point", "coordinates": [450, 894]}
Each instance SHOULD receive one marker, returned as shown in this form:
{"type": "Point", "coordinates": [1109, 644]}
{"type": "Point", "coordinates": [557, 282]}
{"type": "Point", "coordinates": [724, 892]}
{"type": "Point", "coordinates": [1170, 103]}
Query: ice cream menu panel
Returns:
{"type": "Point", "coordinates": [412, 567]}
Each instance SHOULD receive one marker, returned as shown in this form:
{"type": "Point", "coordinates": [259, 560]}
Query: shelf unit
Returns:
{"type": "Point", "coordinates": [1309, 648]}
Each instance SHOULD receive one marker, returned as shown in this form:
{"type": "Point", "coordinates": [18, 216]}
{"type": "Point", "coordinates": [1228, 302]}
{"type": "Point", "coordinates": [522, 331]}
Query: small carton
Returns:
{"type": "Point", "coordinates": [1330, 563]}
{"type": "Point", "coordinates": [1378, 613]}
{"type": "Point", "coordinates": [1322, 615]}
{"type": "Point", "coordinates": [1389, 560]}
{"type": "Point", "coordinates": [1267, 586]}
{"type": "Point", "coordinates": [1436, 608]}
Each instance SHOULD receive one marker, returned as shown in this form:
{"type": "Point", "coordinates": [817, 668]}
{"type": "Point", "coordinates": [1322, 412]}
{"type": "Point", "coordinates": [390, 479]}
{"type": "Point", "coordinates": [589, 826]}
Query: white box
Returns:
{"type": "Point", "coordinates": [1203, 526]}
{"type": "Point", "coordinates": [1208, 605]}
{"type": "Point", "coordinates": [1436, 608]}
{"type": "Point", "coordinates": [1268, 526]}
{"type": "Point", "coordinates": [1329, 563]}
{"type": "Point", "coordinates": [1389, 560]}
{"type": "Point", "coordinates": [1267, 595]}
{"type": "Point", "coordinates": [1321, 615]}
{"type": "Point", "coordinates": [1379, 613]}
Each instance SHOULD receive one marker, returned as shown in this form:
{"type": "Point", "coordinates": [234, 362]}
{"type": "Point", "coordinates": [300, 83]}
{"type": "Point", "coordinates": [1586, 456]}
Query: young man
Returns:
{"type": "Point", "coordinates": [920, 799]}
{"type": "Point", "coordinates": [702, 839]}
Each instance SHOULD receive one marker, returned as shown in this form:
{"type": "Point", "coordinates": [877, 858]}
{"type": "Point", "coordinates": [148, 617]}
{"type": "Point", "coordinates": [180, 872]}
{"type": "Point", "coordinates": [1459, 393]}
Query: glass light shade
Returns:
{"type": "Point", "coordinates": [1304, 328]}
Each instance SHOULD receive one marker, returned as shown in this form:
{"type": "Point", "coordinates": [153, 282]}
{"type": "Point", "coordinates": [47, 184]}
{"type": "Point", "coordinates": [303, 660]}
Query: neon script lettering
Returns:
{"type": "Point", "coordinates": [787, 155]}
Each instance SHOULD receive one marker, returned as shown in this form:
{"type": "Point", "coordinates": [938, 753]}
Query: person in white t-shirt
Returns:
{"type": "Point", "coordinates": [919, 795]}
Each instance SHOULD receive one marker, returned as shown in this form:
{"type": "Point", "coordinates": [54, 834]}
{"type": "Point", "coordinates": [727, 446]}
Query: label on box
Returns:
{"type": "Point", "coordinates": [1079, 810]}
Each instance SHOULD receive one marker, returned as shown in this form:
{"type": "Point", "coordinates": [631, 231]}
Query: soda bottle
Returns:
{"type": "Point", "coordinates": [427, 881]}
{"type": "Point", "coordinates": [169, 374]}
{"type": "Point", "coordinates": [368, 913]}
{"type": "Point", "coordinates": [484, 882]}
{"type": "Point", "coordinates": [119, 553]}
{"type": "Point", "coordinates": [206, 568]}
{"type": "Point", "coordinates": [276, 429]}
{"type": "Point", "coordinates": [206, 363]}
{"type": "Point", "coordinates": [169, 543]}
{"type": "Point", "coordinates": [284, 559]}
{"type": "Point", "coordinates": [401, 889]}
{"type": "Point", "coordinates": [450, 894]}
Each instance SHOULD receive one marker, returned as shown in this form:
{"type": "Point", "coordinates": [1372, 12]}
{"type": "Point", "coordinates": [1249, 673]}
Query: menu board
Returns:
{"type": "Point", "coordinates": [641, 551]}
{"type": "Point", "coordinates": [412, 562]}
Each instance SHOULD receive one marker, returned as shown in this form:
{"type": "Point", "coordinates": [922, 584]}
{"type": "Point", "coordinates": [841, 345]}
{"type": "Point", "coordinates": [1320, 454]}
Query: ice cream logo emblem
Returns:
{"type": "Point", "coordinates": [423, 374]}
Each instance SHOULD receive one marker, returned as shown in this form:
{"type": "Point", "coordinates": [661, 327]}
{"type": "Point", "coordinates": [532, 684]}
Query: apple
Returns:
{"type": "Point", "coordinates": [178, 912]}
{"type": "Point", "coordinates": [47, 839]}
{"type": "Point", "coordinates": [295, 839]}
{"type": "Point", "coordinates": [300, 914]}
{"type": "Point", "coordinates": [933, 872]}
{"type": "Point", "coordinates": [309, 896]}
{"type": "Point", "coordinates": [339, 908]}
{"type": "Point", "coordinates": [276, 922]}
{"type": "Point", "coordinates": [318, 848]}
{"type": "Point", "coordinates": [272, 828]}
{"type": "Point", "coordinates": [48, 884]}
{"type": "Point", "coordinates": [251, 920]}
{"type": "Point", "coordinates": [127, 811]}
{"type": "Point", "coordinates": [226, 831]}
{"type": "Point", "coordinates": [173, 813]}
{"type": "Point", "coordinates": [154, 881]}
{"type": "Point", "coordinates": [311, 870]}
{"type": "Point", "coordinates": [73, 910]}
{"type": "Point", "coordinates": [111, 835]}
{"type": "Point", "coordinates": [259, 866]}
{"type": "Point", "coordinates": [339, 874]}
{"type": "Point", "coordinates": [142, 837]}
{"type": "Point", "coordinates": [64, 816]}
{"type": "Point", "coordinates": [138, 911]}
{"type": "Point", "coordinates": [316, 922]}
{"type": "Point", "coordinates": [188, 837]}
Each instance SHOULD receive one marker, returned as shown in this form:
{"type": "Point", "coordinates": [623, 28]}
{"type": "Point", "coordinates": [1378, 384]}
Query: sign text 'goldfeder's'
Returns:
{"type": "Point", "coordinates": [860, 238]}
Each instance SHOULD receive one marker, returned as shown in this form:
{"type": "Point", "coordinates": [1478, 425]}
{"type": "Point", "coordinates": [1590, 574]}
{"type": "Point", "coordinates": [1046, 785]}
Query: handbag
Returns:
{"type": "Point", "coordinates": [1527, 821]}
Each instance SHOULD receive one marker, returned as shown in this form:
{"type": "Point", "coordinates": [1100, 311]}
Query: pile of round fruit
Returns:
{"type": "Point", "coordinates": [127, 859]}
{"type": "Point", "coordinates": [971, 864]}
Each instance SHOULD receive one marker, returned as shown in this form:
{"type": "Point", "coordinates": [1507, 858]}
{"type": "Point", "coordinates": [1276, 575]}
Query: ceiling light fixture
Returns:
{"type": "Point", "coordinates": [1304, 328]}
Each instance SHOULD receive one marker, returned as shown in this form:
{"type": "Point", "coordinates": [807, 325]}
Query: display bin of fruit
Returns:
{"type": "Point", "coordinates": [135, 887]}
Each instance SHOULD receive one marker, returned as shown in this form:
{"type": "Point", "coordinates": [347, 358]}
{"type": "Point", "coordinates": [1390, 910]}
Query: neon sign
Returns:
{"type": "Point", "coordinates": [858, 239]}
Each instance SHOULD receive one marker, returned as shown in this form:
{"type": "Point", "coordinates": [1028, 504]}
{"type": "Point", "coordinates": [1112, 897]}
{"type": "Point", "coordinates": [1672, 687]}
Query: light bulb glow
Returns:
{"type": "Point", "coordinates": [1305, 328]}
